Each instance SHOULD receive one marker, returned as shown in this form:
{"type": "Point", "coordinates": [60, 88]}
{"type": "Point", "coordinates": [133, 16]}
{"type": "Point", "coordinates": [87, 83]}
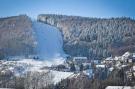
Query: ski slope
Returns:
{"type": "Point", "coordinates": [49, 41]}
{"type": "Point", "coordinates": [59, 75]}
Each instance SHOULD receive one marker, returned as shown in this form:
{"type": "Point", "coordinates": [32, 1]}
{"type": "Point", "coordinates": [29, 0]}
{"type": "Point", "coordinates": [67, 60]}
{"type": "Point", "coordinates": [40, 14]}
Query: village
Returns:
{"type": "Point", "coordinates": [74, 67]}
{"type": "Point", "coordinates": [98, 68]}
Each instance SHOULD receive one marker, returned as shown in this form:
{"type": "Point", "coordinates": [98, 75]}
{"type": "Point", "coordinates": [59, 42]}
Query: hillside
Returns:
{"type": "Point", "coordinates": [94, 37]}
{"type": "Point", "coordinates": [16, 36]}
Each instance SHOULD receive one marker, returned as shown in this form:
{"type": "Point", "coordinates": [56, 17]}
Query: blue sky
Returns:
{"type": "Point", "coordinates": [87, 8]}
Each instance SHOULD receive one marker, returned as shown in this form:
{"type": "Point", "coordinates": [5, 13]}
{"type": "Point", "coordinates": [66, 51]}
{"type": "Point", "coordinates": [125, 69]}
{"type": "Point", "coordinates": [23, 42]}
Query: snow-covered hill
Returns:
{"type": "Point", "coordinates": [49, 41]}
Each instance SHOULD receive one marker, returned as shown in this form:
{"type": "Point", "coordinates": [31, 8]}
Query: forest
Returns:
{"type": "Point", "coordinates": [16, 36]}
{"type": "Point", "coordinates": [95, 38]}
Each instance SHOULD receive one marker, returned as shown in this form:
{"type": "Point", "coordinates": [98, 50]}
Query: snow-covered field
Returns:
{"type": "Point", "coordinates": [60, 75]}
{"type": "Point", "coordinates": [19, 68]}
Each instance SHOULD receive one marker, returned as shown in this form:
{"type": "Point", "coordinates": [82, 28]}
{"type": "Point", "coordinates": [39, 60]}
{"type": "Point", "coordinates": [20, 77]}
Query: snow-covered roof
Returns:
{"type": "Point", "coordinates": [86, 63]}
{"type": "Point", "coordinates": [127, 54]}
{"type": "Point", "coordinates": [117, 58]}
{"type": "Point", "coordinates": [109, 59]}
{"type": "Point", "coordinates": [120, 87]}
{"type": "Point", "coordinates": [100, 66]}
{"type": "Point", "coordinates": [124, 66]}
{"type": "Point", "coordinates": [85, 58]}
{"type": "Point", "coordinates": [111, 69]}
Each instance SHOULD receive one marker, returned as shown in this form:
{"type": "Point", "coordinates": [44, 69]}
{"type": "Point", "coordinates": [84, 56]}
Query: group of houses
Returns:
{"type": "Point", "coordinates": [104, 66]}
{"type": "Point", "coordinates": [120, 60]}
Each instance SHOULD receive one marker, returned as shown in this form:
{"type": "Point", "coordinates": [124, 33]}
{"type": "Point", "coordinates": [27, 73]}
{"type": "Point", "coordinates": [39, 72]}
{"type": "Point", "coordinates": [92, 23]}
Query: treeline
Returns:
{"type": "Point", "coordinates": [94, 37]}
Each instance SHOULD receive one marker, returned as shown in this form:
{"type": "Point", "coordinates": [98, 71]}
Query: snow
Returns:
{"type": "Point", "coordinates": [58, 75]}
{"type": "Point", "coordinates": [109, 59]}
{"type": "Point", "coordinates": [34, 65]}
{"type": "Point", "coordinates": [100, 66]}
{"type": "Point", "coordinates": [127, 54]}
{"type": "Point", "coordinates": [49, 41]}
{"type": "Point", "coordinates": [124, 66]}
{"type": "Point", "coordinates": [111, 69]}
{"type": "Point", "coordinates": [21, 67]}
{"type": "Point", "coordinates": [78, 58]}
{"type": "Point", "coordinates": [49, 50]}
{"type": "Point", "coordinates": [120, 87]}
